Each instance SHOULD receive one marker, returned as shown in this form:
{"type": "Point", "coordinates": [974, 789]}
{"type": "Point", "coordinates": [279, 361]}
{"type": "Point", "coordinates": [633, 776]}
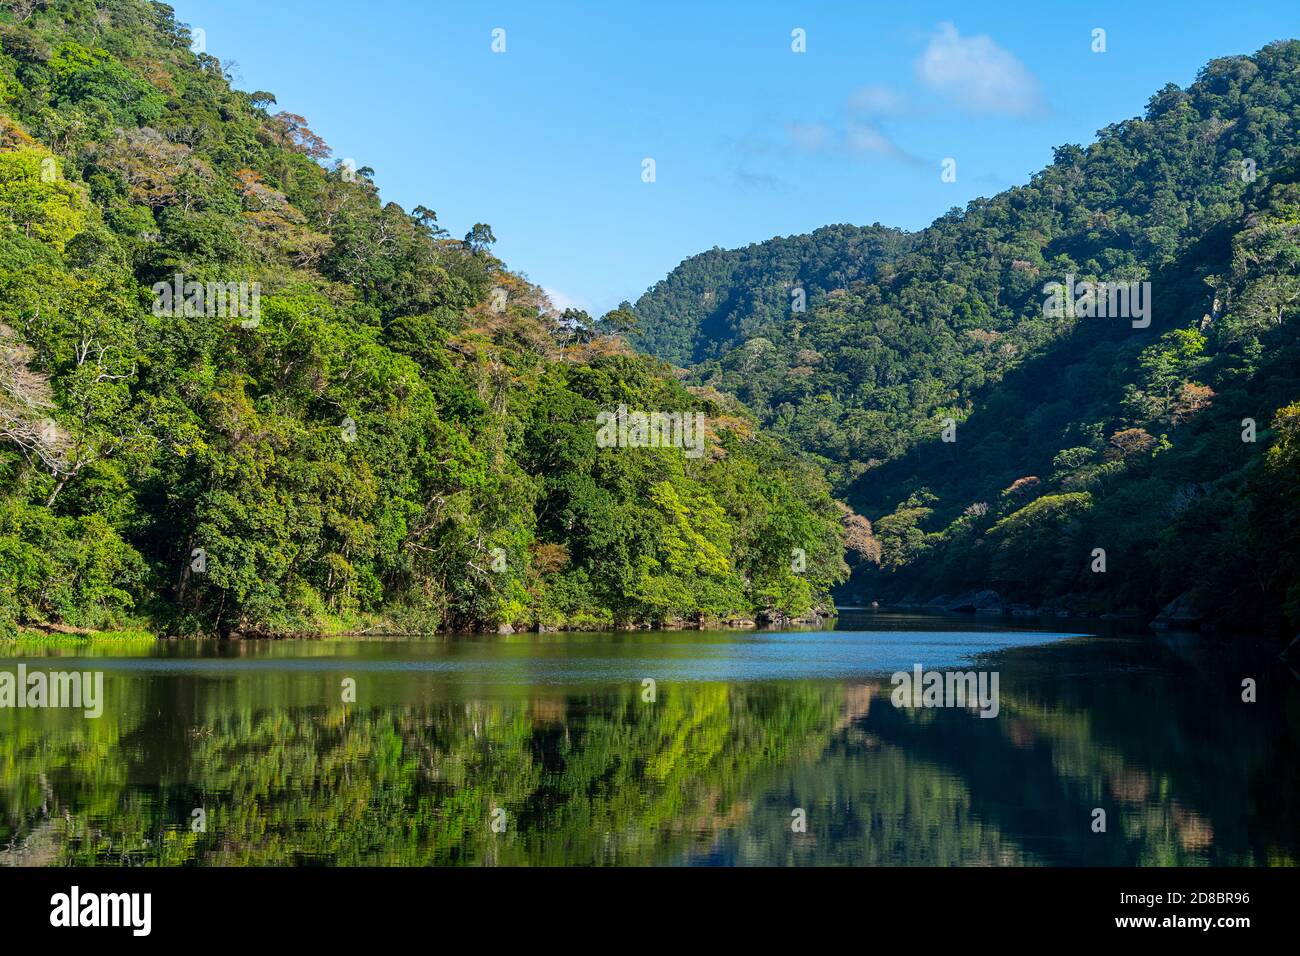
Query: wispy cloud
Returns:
{"type": "Point", "coordinates": [876, 100]}
{"type": "Point", "coordinates": [863, 140]}
{"type": "Point", "coordinates": [810, 137]}
{"type": "Point", "coordinates": [978, 74]}
{"type": "Point", "coordinates": [748, 179]}
{"type": "Point", "coordinates": [856, 140]}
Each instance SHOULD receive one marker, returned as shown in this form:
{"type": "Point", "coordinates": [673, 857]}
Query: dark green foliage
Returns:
{"type": "Point", "coordinates": [400, 433]}
{"type": "Point", "coordinates": [1143, 430]}
{"type": "Point", "coordinates": [1072, 433]}
{"type": "Point", "coordinates": [717, 300]}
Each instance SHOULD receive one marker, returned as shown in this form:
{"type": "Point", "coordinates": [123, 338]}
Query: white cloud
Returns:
{"type": "Point", "coordinates": [809, 136]}
{"type": "Point", "coordinates": [855, 139]}
{"type": "Point", "coordinates": [978, 73]}
{"type": "Point", "coordinates": [861, 139]}
{"type": "Point", "coordinates": [875, 100]}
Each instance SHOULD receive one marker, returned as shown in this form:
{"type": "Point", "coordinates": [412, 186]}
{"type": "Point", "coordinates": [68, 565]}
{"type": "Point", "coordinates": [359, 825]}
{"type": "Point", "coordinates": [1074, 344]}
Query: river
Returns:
{"type": "Point", "coordinates": [659, 747]}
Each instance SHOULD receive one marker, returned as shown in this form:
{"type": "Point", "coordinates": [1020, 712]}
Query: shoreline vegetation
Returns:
{"type": "Point", "coordinates": [983, 605]}
{"type": "Point", "coordinates": [64, 637]}
{"type": "Point", "coordinates": [380, 628]}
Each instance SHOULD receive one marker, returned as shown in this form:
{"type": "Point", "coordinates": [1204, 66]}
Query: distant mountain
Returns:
{"type": "Point", "coordinates": [718, 299]}
{"type": "Point", "coordinates": [1072, 433]}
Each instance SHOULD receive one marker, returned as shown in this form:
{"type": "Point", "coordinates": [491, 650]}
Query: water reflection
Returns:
{"type": "Point", "coordinates": [555, 730]}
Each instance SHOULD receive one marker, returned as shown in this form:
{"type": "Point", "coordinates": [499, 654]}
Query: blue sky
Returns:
{"type": "Point", "coordinates": [546, 140]}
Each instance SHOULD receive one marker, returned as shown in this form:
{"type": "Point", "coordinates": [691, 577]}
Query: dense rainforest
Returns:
{"type": "Point", "coordinates": [1079, 463]}
{"type": "Point", "coordinates": [241, 394]}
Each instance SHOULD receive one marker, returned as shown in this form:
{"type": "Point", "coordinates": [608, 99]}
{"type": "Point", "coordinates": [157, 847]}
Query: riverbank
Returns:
{"type": "Point", "coordinates": [59, 635]}
{"type": "Point", "coordinates": [380, 627]}
{"type": "Point", "coordinates": [1185, 613]}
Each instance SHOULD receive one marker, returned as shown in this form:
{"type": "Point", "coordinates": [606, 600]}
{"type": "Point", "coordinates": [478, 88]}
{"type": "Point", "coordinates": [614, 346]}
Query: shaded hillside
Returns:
{"type": "Point", "coordinates": [718, 300]}
{"type": "Point", "coordinates": [1131, 441]}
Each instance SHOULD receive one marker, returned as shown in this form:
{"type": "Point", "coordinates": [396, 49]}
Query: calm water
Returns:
{"type": "Point", "coordinates": [745, 729]}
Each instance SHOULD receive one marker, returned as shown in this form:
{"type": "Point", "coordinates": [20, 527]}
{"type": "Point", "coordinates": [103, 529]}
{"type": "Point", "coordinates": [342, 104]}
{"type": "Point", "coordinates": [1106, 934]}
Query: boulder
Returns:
{"type": "Point", "coordinates": [1180, 614]}
{"type": "Point", "coordinates": [985, 601]}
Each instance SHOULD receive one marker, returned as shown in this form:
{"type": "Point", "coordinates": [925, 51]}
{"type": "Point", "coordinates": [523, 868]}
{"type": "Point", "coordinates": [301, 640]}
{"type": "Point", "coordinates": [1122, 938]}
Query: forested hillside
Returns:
{"type": "Point", "coordinates": [1067, 434]}
{"type": "Point", "coordinates": [722, 298]}
{"type": "Point", "coordinates": [378, 425]}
